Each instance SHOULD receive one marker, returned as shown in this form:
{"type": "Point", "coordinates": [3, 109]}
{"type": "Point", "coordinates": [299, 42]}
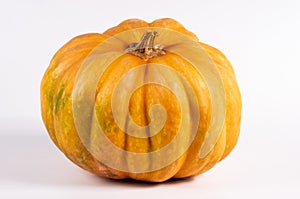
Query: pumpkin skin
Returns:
{"type": "Point", "coordinates": [56, 104]}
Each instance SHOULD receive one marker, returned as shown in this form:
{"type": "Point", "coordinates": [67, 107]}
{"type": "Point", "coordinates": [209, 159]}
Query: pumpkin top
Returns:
{"type": "Point", "coordinates": [166, 23]}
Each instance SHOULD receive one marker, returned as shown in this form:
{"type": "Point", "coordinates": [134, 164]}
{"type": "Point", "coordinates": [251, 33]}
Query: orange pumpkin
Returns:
{"type": "Point", "coordinates": [145, 101]}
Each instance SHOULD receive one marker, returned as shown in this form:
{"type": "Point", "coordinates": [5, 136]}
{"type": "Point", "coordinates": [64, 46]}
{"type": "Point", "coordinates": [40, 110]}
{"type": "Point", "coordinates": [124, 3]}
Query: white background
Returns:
{"type": "Point", "coordinates": [262, 41]}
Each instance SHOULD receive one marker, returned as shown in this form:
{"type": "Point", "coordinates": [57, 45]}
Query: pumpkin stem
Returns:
{"type": "Point", "coordinates": [145, 49]}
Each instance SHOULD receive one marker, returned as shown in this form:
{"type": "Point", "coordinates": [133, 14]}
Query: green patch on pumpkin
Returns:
{"type": "Point", "coordinates": [59, 100]}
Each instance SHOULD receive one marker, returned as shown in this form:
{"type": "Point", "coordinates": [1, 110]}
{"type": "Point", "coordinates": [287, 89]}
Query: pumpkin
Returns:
{"type": "Point", "coordinates": [145, 101]}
